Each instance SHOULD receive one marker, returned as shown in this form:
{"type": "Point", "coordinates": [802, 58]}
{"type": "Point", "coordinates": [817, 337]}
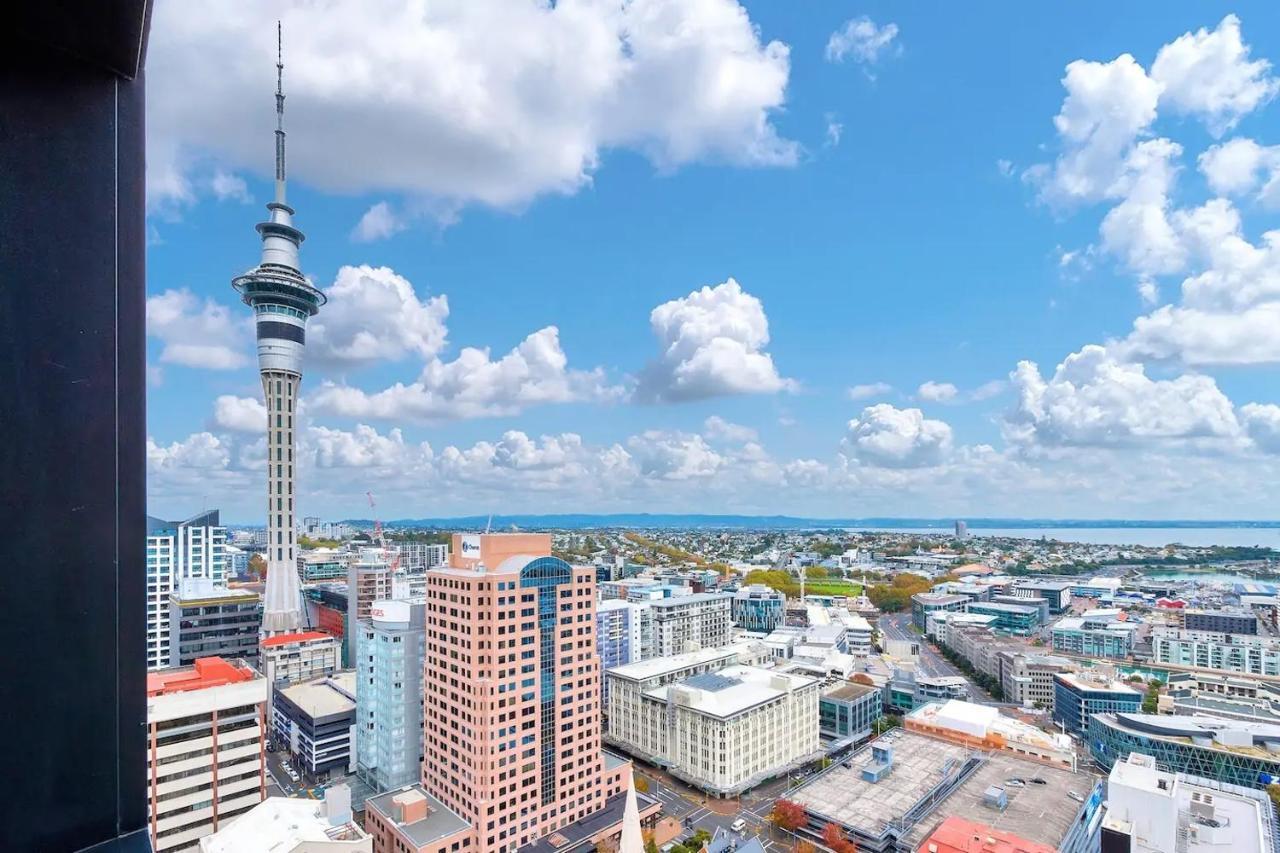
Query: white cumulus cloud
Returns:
{"type": "Point", "coordinates": [197, 332]}
{"type": "Point", "coordinates": [1095, 399]}
{"type": "Point", "coordinates": [716, 427]}
{"type": "Point", "coordinates": [712, 345]}
{"type": "Point", "coordinates": [1209, 75]}
{"type": "Point", "coordinates": [239, 414]}
{"type": "Point", "coordinates": [375, 314]}
{"type": "Point", "coordinates": [474, 385]}
{"type": "Point", "coordinates": [1240, 166]}
{"type": "Point", "coordinates": [868, 390]}
{"type": "Point", "coordinates": [937, 392]}
{"type": "Point", "coordinates": [889, 437]}
{"type": "Point", "coordinates": [488, 101]}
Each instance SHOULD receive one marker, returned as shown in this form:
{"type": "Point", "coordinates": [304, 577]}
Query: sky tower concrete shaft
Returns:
{"type": "Point", "coordinates": [282, 300]}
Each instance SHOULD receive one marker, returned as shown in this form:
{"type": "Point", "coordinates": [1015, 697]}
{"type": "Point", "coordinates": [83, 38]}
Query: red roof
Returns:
{"type": "Point", "coordinates": [300, 637]}
{"type": "Point", "coordinates": [957, 835]}
{"type": "Point", "coordinates": [207, 672]}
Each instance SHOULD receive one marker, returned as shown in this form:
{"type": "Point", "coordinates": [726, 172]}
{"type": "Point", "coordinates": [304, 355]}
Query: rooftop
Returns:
{"type": "Point", "coordinates": [1038, 811]}
{"type": "Point", "coordinates": [1148, 803]}
{"type": "Point", "coordinates": [983, 720]}
{"type": "Point", "coordinates": [204, 673]}
{"type": "Point", "coordinates": [731, 690]}
{"type": "Point", "coordinates": [957, 835]}
{"type": "Point", "coordinates": [1240, 736]}
{"type": "Point", "coordinates": [280, 823]}
{"type": "Point", "coordinates": [849, 690]}
{"type": "Point", "coordinates": [680, 600]}
{"type": "Point", "coordinates": [578, 835]}
{"type": "Point", "coordinates": [939, 598]}
{"type": "Point", "coordinates": [1082, 681]}
{"type": "Point", "coordinates": [299, 637]}
{"type": "Point", "coordinates": [439, 821]}
{"type": "Point", "coordinates": [324, 697]}
{"type": "Point", "coordinates": [655, 667]}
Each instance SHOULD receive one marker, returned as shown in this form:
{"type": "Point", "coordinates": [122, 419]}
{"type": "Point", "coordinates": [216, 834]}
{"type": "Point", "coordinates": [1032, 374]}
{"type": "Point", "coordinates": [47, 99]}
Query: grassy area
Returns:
{"type": "Point", "coordinates": [789, 584]}
{"type": "Point", "coordinates": [832, 586]}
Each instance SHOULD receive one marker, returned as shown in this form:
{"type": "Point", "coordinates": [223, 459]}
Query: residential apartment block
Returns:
{"type": "Point", "coordinates": [681, 623]}
{"type": "Point", "coordinates": [1245, 653]}
{"type": "Point", "coordinates": [195, 548]}
{"type": "Point", "coordinates": [205, 749]}
{"type": "Point", "coordinates": [389, 710]}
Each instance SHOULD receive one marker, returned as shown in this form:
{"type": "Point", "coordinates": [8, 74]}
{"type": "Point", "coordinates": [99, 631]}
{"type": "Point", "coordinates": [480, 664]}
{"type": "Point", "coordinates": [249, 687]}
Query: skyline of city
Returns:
{"type": "Point", "coordinates": [1091, 196]}
{"type": "Point", "coordinates": [828, 559]}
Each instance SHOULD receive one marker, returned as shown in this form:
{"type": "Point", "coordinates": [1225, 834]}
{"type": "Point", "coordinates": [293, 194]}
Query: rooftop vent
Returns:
{"type": "Point", "coordinates": [995, 797]}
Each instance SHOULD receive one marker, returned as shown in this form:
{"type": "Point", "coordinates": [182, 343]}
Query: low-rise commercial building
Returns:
{"type": "Point", "coordinates": [207, 619]}
{"type": "Point", "coordinates": [1057, 593]}
{"type": "Point", "coordinates": [849, 711]}
{"type": "Point", "coordinates": [1150, 810]}
{"type": "Point", "coordinates": [314, 722]}
{"type": "Point", "coordinates": [924, 603]}
{"type": "Point", "coordinates": [205, 753]}
{"type": "Point", "coordinates": [409, 820]}
{"type": "Point", "coordinates": [1092, 639]}
{"type": "Point", "coordinates": [1017, 619]}
{"type": "Point", "coordinates": [893, 794]}
{"type": "Point", "coordinates": [1239, 753]}
{"type": "Point", "coordinates": [1244, 653]}
{"type": "Point", "coordinates": [294, 825]}
{"type": "Point", "coordinates": [323, 564]}
{"type": "Point", "coordinates": [984, 727]}
{"type": "Point", "coordinates": [723, 730]}
{"type": "Point", "coordinates": [758, 608]}
{"type": "Point", "coordinates": [941, 622]}
{"type": "Point", "coordinates": [1028, 679]}
{"type": "Point", "coordinates": [1078, 696]}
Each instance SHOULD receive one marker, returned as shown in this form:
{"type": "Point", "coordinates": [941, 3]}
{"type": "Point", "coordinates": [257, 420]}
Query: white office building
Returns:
{"type": "Point", "coordinates": [702, 620]}
{"type": "Point", "coordinates": [177, 550]}
{"type": "Point", "coordinates": [723, 729]}
{"type": "Point", "coordinates": [1152, 811]}
{"type": "Point", "coordinates": [389, 712]}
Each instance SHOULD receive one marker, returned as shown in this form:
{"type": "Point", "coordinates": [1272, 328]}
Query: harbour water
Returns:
{"type": "Point", "coordinates": [1151, 537]}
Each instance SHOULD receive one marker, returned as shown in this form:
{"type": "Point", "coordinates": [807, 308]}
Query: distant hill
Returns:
{"type": "Point", "coordinates": [571, 521]}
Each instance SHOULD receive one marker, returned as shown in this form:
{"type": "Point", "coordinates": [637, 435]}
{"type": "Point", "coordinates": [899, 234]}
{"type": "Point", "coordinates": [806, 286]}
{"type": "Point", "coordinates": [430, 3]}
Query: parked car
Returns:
{"type": "Point", "coordinates": [738, 825]}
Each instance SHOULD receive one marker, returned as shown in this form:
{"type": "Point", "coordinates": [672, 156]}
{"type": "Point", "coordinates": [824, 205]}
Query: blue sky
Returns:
{"type": "Point", "coordinates": [885, 183]}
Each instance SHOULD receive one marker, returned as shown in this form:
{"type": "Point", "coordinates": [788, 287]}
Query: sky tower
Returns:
{"type": "Point", "coordinates": [282, 300]}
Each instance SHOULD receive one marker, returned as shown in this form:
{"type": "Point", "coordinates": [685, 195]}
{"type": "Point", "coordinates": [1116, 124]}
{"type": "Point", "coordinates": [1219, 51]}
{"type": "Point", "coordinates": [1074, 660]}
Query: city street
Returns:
{"type": "Point", "coordinates": [697, 811]}
{"type": "Point", "coordinates": [897, 626]}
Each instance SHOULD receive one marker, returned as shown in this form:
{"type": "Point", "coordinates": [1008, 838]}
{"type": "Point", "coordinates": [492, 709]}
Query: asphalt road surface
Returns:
{"type": "Point", "coordinates": [688, 805]}
{"type": "Point", "coordinates": [897, 626]}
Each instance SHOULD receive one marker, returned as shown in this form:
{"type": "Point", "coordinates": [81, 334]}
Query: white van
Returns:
{"type": "Point", "coordinates": [738, 825]}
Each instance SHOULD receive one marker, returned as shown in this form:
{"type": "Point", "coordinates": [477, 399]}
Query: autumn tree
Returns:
{"type": "Point", "coordinates": [258, 567]}
{"type": "Point", "coordinates": [641, 784]}
{"type": "Point", "coordinates": [803, 847]}
{"type": "Point", "coordinates": [834, 838]}
{"type": "Point", "coordinates": [788, 815]}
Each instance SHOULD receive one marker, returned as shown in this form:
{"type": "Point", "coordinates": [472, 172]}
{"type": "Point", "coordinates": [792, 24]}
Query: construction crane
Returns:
{"type": "Point", "coordinates": [377, 525]}
{"type": "Point", "coordinates": [377, 534]}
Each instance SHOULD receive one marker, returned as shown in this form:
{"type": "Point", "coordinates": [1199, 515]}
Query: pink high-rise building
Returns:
{"type": "Point", "coordinates": [512, 690]}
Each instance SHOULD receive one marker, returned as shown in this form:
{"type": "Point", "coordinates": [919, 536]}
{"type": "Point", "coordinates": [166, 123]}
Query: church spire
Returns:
{"type": "Point", "coordinates": [279, 114]}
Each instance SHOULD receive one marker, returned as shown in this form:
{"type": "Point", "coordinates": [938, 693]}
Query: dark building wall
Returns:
{"type": "Point", "coordinates": [72, 427]}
